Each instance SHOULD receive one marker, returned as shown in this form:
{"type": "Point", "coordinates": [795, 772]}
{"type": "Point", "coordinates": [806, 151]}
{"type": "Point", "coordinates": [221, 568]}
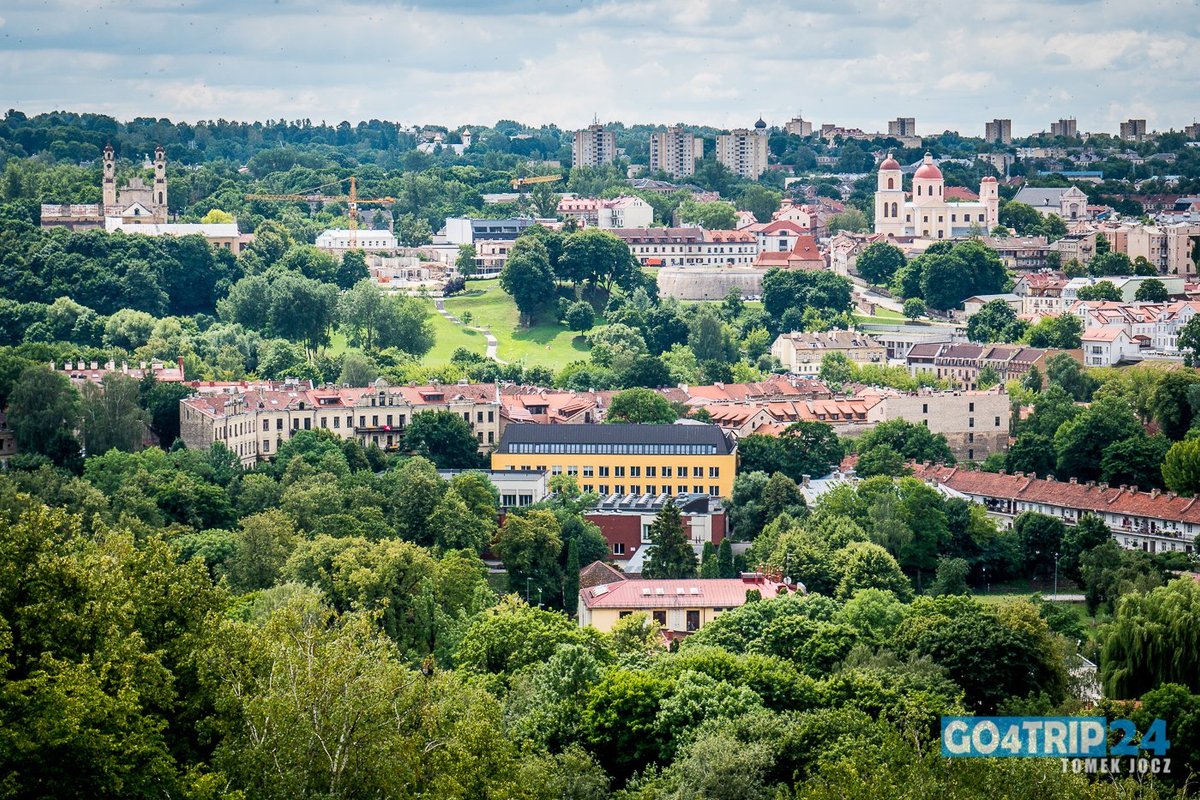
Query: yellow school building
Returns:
{"type": "Point", "coordinates": [625, 459]}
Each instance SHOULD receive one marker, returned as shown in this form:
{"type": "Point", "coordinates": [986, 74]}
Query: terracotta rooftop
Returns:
{"type": "Point", "coordinates": [685, 593]}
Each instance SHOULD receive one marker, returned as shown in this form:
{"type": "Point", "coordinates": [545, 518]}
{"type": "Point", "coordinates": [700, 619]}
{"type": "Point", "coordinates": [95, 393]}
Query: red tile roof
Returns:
{"type": "Point", "coordinates": [1077, 496]}
{"type": "Point", "coordinates": [685, 593]}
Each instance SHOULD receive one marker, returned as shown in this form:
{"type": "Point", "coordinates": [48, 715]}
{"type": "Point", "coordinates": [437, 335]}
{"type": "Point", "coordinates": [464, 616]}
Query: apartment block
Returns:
{"type": "Point", "coordinates": [798, 126]}
{"type": "Point", "coordinates": [744, 151]}
{"type": "Point", "coordinates": [902, 126]}
{"type": "Point", "coordinates": [595, 146]}
{"type": "Point", "coordinates": [1066, 128]}
{"type": "Point", "coordinates": [801, 353]}
{"type": "Point", "coordinates": [998, 130]}
{"type": "Point", "coordinates": [1133, 130]}
{"type": "Point", "coordinates": [675, 152]}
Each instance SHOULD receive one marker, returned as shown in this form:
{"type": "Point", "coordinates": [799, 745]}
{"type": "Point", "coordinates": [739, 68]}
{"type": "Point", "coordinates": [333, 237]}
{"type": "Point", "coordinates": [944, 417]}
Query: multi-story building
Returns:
{"type": "Point", "coordinates": [627, 211]}
{"type": "Point", "coordinates": [1153, 521]}
{"type": "Point", "coordinates": [464, 230]}
{"type": "Point", "coordinates": [1041, 293]}
{"type": "Point", "coordinates": [1192, 131]}
{"type": "Point", "coordinates": [1070, 203]}
{"type": "Point", "coordinates": [998, 130]}
{"type": "Point", "coordinates": [625, 520]}
{"type": "Point", "coordinates": [679, 247]}
{"type": "Point", "coordinates": [962, 363]}
{"type": "Point", "coordinates": [802, 352]}
{"type": "Point", "coordinates": [902, 126]}
{"type": "Point", "coordinates": [680, 607]}
{"type": "Point", "coordinates": [517, 487]}
{"type": "Point", "coordinates": [1020, 253]}
{"type": "Point", "coordinates": [975, 424]}
{"type": "Point", "coordinates": [626, 459]}
{"type": "Point", "coordinates": [341, 240]}
{"type": "Point", "coordinates": [255, 422]}
{"type": "Point", "coordinates": [1076, 247]}
{"type": "Point", "coordinates": [744, 151]}
{"type": "Point", "coordinates": [1133, 130]}
{"type": "Point", "coordinates": [1066, 128]}
{"type": "Point", "coordinates": [675, 152]}
{"type": "Point", "coordinates": [595, 146]}
{"type": "Point", "coordinates": [798, 126]}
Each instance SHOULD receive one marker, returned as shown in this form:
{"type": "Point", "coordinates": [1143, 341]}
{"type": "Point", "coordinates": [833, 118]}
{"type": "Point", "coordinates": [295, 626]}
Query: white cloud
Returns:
{"type": "Point", "coordinates": [720, 62]}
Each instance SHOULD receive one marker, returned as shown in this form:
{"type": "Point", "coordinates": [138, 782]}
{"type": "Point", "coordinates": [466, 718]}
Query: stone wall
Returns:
{"type": "Point", "coordinates": [708, 283]}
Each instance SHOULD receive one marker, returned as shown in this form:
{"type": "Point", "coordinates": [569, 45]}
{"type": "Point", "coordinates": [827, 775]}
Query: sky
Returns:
{"type": "Point", "coordinates": [856, 63]}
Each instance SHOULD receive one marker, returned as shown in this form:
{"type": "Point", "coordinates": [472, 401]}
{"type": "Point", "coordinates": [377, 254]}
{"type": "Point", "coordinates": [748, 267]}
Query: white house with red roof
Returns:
{"type": "Point", "coordinates": [928, 212]}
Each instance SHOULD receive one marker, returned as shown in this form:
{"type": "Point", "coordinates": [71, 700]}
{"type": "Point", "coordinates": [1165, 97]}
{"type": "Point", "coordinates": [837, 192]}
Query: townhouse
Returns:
{"type": "Point", "coordinates": [962, 362]}
{"type": "Point", "coordinates": [1153, 521]}
{"type": "Point", "coordinates": [677, 247]}
{"type": "Point", "coordinates": [802, 352]}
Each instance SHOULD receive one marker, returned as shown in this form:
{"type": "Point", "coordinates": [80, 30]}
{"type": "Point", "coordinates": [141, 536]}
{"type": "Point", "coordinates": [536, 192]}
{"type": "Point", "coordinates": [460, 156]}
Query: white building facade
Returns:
{"type": "Point", "coordinates": [927, 215]}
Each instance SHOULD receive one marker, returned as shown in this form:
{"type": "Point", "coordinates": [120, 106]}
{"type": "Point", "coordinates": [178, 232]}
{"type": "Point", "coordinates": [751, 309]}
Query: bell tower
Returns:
{"type": "Point", "coordinates": [889, 198]}
{"type": "Point", "coordinates": [108, 185]}
{"type": "Point", "coordinates": [160, 182]}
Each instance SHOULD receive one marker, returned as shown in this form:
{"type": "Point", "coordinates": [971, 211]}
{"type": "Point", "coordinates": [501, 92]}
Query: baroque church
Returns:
{"type": "Point", "coordinates": [927, 214]}
{"type": "Point", "coordinates": [135, 204]}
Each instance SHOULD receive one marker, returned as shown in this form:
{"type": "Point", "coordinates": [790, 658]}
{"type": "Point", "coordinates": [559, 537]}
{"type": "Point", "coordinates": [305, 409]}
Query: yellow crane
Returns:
{"type": "Point", "coordinates": [351, 200]}
{"type": "Point", "coordinates": [519, 183]}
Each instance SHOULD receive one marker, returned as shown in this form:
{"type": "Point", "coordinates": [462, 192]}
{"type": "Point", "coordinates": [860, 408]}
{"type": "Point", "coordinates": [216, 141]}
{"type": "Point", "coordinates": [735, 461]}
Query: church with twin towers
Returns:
{"type": "Point", "coordinates": [927, 214]}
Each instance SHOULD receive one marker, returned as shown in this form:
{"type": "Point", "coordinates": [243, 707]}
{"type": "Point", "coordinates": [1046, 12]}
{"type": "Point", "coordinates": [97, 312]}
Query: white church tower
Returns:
{"type": "Point", "coordinates": [108, 185]}
{"type": "Point", "coordinates": [889, 198]}
{"type": "Point", "coordinates": [989, 195]}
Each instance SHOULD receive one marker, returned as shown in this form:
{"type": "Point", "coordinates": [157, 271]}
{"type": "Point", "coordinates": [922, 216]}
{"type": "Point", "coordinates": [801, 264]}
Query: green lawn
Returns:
{"type": "Point", "coordinates": [545, 344]}
{"type": "Point", "coordinates": [450, 337]}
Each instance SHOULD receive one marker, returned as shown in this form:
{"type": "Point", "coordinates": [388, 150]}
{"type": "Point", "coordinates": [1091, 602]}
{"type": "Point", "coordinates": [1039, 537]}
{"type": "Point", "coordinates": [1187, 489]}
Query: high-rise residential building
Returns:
{"type": "Point", "coordinates": [675, 152]}
{"type": "Point", "coordinates": [1192, 131]}
{"type": "Point", "coordinates": [1065, 128]}
{"type": "Point", "coordinates": [1133, 130]}
{"type": "Point", "coordinates": [593, 147]}
{"type": "Point", "coordinates": [744, 151]}
{"type": "Point", "coordinates": [903, 126]}
{"type": "Point", "coordinates": [799, 126]}
{"type": "Point", "coordinates": [998, 130]}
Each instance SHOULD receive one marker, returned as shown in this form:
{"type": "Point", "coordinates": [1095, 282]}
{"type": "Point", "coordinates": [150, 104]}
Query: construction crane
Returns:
{"type": "Point", "coordinates": [519, 183]}
{"type": "Point", "coordinates": [351, 200]}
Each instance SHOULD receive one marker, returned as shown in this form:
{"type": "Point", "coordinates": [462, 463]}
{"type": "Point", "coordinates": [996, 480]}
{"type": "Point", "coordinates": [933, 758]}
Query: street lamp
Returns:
{"type": "Point", "coordinates": [539, 597]}
{"type": "Point", "coordinates": [1055, 575]}
{"type": "Point", "coordinates": [987, 586]}
{"type": "Point", "coordinates": [526, 590]}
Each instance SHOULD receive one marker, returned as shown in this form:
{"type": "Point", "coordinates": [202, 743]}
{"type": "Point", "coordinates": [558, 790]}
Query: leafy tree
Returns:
{"type": "Point", "coordinates": [43, 410]}
{"type": "Point", "coordinates": [880, 460]}
{"type": "Point", "coordinates": [1153, 640]}
{"type": "Point", "coordinates": [710, 338]}
{"type": "Point", "coordinates": [1080, 442]}
{"type": "Point", "coordinates": [1181, 467]}
{"type": "Point", "coordinates": [1136, 461]}
{"type": "Point", "coordinates": [161, 402]}
{"type": "Point", "coordinates": [1101, 290]}
{"type": "Point", "coordinates": [913, 442]}
{"type": "Point", "coordinates": [836, 369]}
{"type": "Point", "coordinates": [1189, 342]}
{"type": "Point", "coordinates": [1040, 537]}
{"type": "Point", "coordinates": [527, 277]}
{"type": "Point", "coordinates": [880, 262]}
{"type": "Point", "coordinates": [863, 565]}
{"type": "Point", "coordinates": [914, 308]}
{"type": "Point", "coordinates": [995, 322]}
{"type": "Point", "coordinates": [597, 257]}
{"type": "Point", "coordinates": [641, 406]}
{"type": "Point", "coordinates": [1171, 402]}
{"type": "Point", "coordinates": [110, 416]}
{"type": "Point", "coordinates": [669, 554]}
{"type": "Point", "coordinates": [465, 261]}
{"type": "Point", "coordinates": [804, 448]}
{"type": "Point", "coordinates": [457, 527]}
{"type": "Point", "coordinates": [529, 545]}
{"type": "Point", "coordinates": [579, 316]}
{"type": "Point", "coordinates": [851, 220]}
{"type": "Point", "coordinates": [1022, 218]}
{"type": "Point", "coordinates": [1062, 332]}
{"type": "Point", "coordinates": [443, 437]}
{"type": "Point", "coordinates": [358, 369]}
{"type": "Point", "coordinates": [1032, 454]}
{"type": "Point", "coordinates": [714, 216]}
{"type": "Point", "coordinates": [263, 544]}
{"type": "Point", "coordinates": [951, 576]}
{"type": "Point", "coordinates": [301, 309]}
{"type": "Point", "coordinates": [1151, 291]}
{"type": "Point", "coordinates": [725, 566]}
{"type": "Point", "coordinates": [759, 201]}
{"type": "Point", "coordinates": [1109, 263]}
{"type": "Point", "coordinates": [1065, 371]}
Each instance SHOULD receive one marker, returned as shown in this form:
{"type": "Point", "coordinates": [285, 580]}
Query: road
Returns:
{"type": "Point", "coordinates": [493, 343]}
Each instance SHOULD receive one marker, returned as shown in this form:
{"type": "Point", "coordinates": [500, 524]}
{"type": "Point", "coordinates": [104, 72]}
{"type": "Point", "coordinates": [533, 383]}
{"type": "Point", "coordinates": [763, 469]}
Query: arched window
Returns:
{"type": "Point", "coordinates": [918, 190]}
{"type": "Point", "coordinates": [939, 191]}
{"type": "Point", "coordinates": [893, 209]}
{"type": "Point", "coordinates": [885, 209]}
{"type": "Point", "coordinates": [891, 183]}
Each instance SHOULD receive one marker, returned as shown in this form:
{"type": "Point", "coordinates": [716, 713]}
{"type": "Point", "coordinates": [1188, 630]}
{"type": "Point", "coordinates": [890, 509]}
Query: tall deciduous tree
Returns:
{"type": "Point", "coordinates": [443, 437]}
{"type": "Point", "coordinates": [1154, 639]}
{"type": "Point", "coordinates": [527, 277]}
{"type": "Point", "coordinates": [110, 416]}
{"type": "Point", "coordinates": [641, 405]}
{"type": "Point", "coordinates": [43, 411]}
{"type": "Point", "coordinates": [880, 262]}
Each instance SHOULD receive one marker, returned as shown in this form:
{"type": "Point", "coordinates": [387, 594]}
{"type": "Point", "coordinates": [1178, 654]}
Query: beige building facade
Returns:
{"type": "Point", "coordinates": [744, 151]}
{"type": "Point", "coordinates": [675, 152]}
{"type": "Point", "coordinates": [594, 146]}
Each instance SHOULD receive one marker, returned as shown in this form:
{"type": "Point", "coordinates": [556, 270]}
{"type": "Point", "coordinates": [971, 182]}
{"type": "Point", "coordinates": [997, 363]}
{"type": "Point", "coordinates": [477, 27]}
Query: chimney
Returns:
{"type": "Point", "coordinates": [804, 480]}
{"type": "Point", "coordinates": [95, 365]}
{"type": "Point", "coordinates": [1074, 481]}
{"type": "Point", "coordinates": [179, 361]}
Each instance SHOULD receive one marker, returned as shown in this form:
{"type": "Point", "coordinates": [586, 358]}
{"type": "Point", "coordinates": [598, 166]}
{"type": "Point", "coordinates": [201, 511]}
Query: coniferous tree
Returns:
{"type": "Point", "coordinates": [670, 555]}
{"type": "Point", "coordinates": [725, 566]}
{"type": "Point", "coordinates": [571, 578]}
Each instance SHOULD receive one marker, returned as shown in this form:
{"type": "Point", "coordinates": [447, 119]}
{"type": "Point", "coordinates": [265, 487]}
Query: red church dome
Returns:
{"type": "Point", "coordinates": [928, 169]}
{"type": "Point", "coordinates": [889, 163]}
{"type": "Point", "coordinates": [990, 179]}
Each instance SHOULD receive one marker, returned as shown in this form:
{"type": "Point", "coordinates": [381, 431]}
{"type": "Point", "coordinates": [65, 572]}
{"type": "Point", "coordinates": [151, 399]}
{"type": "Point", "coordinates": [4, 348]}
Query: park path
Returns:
{"type": "Point", "coordinates": [492, 342]}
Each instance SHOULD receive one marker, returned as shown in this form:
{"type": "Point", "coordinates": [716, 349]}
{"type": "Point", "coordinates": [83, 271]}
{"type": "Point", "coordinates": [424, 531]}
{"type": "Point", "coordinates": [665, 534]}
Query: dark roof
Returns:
{"type": "Point", "coordinates": [690, 434]}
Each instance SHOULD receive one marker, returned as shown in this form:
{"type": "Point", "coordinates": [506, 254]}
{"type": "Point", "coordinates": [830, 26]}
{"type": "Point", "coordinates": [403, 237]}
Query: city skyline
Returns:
{"type": "Point", "coordinates": [723, 65]}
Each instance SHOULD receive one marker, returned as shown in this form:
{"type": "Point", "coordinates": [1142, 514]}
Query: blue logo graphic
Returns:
{"type": "Point", "coordinates": [1048, 737]}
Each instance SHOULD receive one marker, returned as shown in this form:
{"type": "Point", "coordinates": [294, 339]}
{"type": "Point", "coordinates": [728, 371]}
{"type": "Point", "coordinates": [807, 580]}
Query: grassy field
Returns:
{"type": "Point", "coordinates": [450, 337]}
{"type": "Point", "coordinates": [545, 344]}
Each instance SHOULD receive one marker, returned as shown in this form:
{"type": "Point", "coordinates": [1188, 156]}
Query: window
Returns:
{"type": "Point", "coordinates": [645, 532]}
{"type": "Point", "coordinates": [491, 437]}
{"type": "Point", "coordinates": [337, 422]}
{"type": "Point", "coordinates": [266, 445]}
{"type": "Point", "coordinates": [604, 472]}
{"type": "Point", "coordinates": [603, 488]}
{"type": "Point", "coordinates": [970, 437]}
{"type": "Point", "coordinates": [666, 472]}
{"type": "Point", "coordinates": [997, 422]}
{"type": "Point", "coordinates": [650, 472]}
{"type": "Point", "coordinates": [681, 489]}
{"type": "Point", "coordinates": [308, 423]}
{"type": "Point", "coordinates": [589, 472]}
{"type": "Point", "coordinates": [970, 455]}
{"type": "Point", "coordinates": [697, 472]}
{"type": "Point", "coordinates": [693, 620]}
{"type": "Point", "coordinates": [619, 549]}
{"type": "Point", "coordinates": [714, 472]}
{"type": "Point", "coordinates": [589, 488]}
{"type": "Point", "coordinates": [924, 408]}
{"type": "Point", "coordinates": [619, 488]}
{"type": "Point", "coordinates": [324, 422]}
{"type": "Point", "coordinates": [362, 422]}
{"type": "Point", "coordinates": [635, 489]}
{"type": "Point", "coordinates": [508, 500]}
{"type": "Point", "coordinates": [491, 416]}
{"type": "Point", "coordinates": [374, 420]}
{"type": "Point", "coordinates": [971, 407]}
{"type": "Point", "coordinates": [660, 617]}
{"type": "Point", "coordinates": [618, 472]}
{"type": "Point", "coordinates": [635, 472]}
{"type": "Point", "coordinates": [479, 416]}
{"type": "Point", "coordinates": [681, 472]}
{"type": "Point", "coordinates": [715, 491]}
{"type": "Point", "coordinates": [266, 424]}
{"type": "Point", "coordinates": [970, 422]}
{"type": "Point", "coordinates": [650, 488]}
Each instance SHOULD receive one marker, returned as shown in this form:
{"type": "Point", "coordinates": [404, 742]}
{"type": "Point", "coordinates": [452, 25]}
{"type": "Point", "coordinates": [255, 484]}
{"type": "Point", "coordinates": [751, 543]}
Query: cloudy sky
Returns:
{"type": "Point", "coordinates": [719, 62]}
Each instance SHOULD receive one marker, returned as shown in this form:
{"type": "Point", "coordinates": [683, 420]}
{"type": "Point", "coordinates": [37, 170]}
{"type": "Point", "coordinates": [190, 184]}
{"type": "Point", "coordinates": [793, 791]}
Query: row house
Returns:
{"type": "Point", "coordinates": [804, 255]}
{"type": "Point", "coordinates": [1041, 294]}
{"type": "Point", "coordinates": [619, 212]}
{"type": "Point", "coordinates": [962, 362]}
{"type": "Point", "coordinates": [551, 407]}
{"type": "Point", "coordinates": [680, 247]}
{"type": "Point", "coordinates": [255, 422]}
{"type": "Point", "coordinates": [773, 387]}
{"type": "Point", "coordinates": [1020, 253]}
{"type": "Point", "coordinates": [802, 352]}
{"type": "Point", "coordinates": [1153, 521]}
